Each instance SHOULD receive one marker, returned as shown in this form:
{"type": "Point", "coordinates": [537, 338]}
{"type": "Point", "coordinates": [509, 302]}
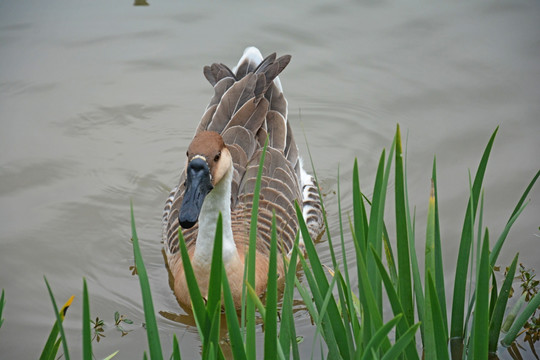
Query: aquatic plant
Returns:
{"type": "Point", "coordinates": [351, 323]}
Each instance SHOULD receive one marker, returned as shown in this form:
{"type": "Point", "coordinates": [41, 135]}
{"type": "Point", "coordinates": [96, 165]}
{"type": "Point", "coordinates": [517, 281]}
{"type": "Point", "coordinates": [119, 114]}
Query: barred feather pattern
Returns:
{"type": "Point", "coordinates": [248, 106]}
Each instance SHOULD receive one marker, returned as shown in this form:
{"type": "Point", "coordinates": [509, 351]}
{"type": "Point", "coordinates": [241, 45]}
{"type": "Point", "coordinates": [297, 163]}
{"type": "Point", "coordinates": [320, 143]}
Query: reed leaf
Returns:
{"type": "Point", "coordinates": [458, 303]}
{"type": "Point", "coordinates": [439, 268]}
{"type": "Point", "coordinates": [500, 307]}
{"type": "Point", "coordinates": [152, 333]}
{"type": "Point", "coordinates": [213, 304]}
{"type": "Point", "coordinates": [402, 236]}
{"type": "Point", "coordinates": [520, 321]}
{"type": "Point", "coordinates": [176, 349]}
{"type": "Point", "coordinates": [251, 350]}
{"type": "Point", "coordinates": [197, 302]}
{"type": "Point", "coordinates": [235, 335]}
{"type": "Point", "coordinates": [403, 325]}
{"type": "Point", "coordinates": [287, 331]}
{"type": "Point", "coordinates": [430, 346]}
{"type": "Point", "coordinates": [401, 344]}
{"type": "Point", "coordinates": [86, 327]}
{"type": "Point", "coordinates": [359, 211]}
{"type": "Point", "coordinates": [270, 319]}
{"type": "Point", "coordinates": [440, 339]}
{"type": "Point", "coordinates": [379, 336]}
{"type": "Point", "coordinates": [480, 341]}
{"type": "Point", "coordinates": [2, 304]}
{"type": "Point", "coordinates": [59, 320]}
{"type": "Point", "coordinates": [53, 342]}
{"type": "Point", "coordinates": [322, 285]}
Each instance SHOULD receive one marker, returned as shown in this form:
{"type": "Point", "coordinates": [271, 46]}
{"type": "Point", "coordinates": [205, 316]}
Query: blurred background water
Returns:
{"type": "Point", "coordinates": [99, 100]}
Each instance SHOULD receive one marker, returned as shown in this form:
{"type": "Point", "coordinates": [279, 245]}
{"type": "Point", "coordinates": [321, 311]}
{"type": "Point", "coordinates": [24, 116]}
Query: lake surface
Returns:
{"type": "Point", "coordinates": [99, 100]}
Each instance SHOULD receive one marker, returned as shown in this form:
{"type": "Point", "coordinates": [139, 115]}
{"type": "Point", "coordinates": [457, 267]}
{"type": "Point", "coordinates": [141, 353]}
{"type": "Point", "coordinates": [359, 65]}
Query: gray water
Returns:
{"type": "Point", "coordinates": [99, 100]}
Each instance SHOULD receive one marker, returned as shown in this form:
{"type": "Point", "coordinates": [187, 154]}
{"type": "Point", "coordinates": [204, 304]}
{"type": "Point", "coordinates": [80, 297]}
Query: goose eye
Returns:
{"type": "Point", "coordinates": [218, 155]}
{"type": "Point", "coordinates": [187, 153]}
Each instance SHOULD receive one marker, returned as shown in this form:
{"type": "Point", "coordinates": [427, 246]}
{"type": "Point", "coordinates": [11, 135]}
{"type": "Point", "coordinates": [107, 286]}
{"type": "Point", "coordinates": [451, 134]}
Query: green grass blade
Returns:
{"type": "Point", "coordinates": [270, 319]}
{"type": "Point", "coordinates": [251, 351]}
{"type": "Point", "coordinates": [512, 314]}
{"type": "Point", "coordinates": [500, 241]}
{"type": "Point", "coordinates": [439, 268]}
{"type": "Point", "coordinates": [359, 211]}
{"type": "Point", "coordinates": [235, 335]}
{"type": "Point", "coordinates": [86, 327]}
{"type": "Point", "coordinates": [315, 299]}
{"type": "Point", "coordinates": [112, 355]}
{"type": "Point", "coordinates": [287, 332]}
{"type": "Point", "coordinates": [500, 307]}
{"type": "Point", "coordinates": [458, 304]}
{"type": "Point", "coordinates": [431, 303]}
{"type": "Point", "coordinates": [2, 304]}
{"type": "Point", "coordinates": [401, 344]}
{"type": "Point", "coordinates": [214, 284]}
{"type": "Point", "coordinates": [481, 313]}
{"type": "Point", "coordinates": [152, 333]}
{"type": "Point", "coordinates": [213, 304]}
{"type": "Point", "coordinates": [176, 349]}
{"type": "Point", "coordinates": [390, 259]}
{"type": "Point", "coordinates": [520, 321]}
{"type": "Point", "coordinates": [322, 285]}
{"type": "Point", "coordinates": [379, 336]}
{"type": "Point", "coordinates": [59, 320]}
{"type": "Point", "coordinates": [344, 287]}
{"type": "Point", "coordinates": [440, 339]}
{"type": "Point", "coordinates": [53, 343]}
{"type": "Point", "coordinates": [402, 326]}
{"type": "Point", "coordinates": [525, 193]}
{"type": "Point", "coordinates": [376, 222]}
{"type": "Point", "coordinates": [402, 236]}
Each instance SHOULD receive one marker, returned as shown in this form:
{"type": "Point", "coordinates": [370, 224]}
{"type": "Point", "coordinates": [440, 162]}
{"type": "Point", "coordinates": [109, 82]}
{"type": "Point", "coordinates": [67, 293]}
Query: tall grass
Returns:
{"type": "Point", "coordinates": [352, 323]}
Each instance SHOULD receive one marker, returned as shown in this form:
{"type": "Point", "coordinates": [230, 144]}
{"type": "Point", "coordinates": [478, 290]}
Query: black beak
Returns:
{"type": "Point", "coordinates": [198, 185]}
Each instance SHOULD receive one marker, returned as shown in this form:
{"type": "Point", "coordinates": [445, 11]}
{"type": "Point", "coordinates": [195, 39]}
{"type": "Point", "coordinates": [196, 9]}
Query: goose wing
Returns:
{"type": "Point", "coordinates": [247, 107]}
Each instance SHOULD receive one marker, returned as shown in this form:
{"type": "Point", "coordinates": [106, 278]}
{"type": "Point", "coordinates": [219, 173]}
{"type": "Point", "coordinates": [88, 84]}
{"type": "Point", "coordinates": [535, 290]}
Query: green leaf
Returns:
{"type": "Point", "coordinates": [250, 306]}
{"type": "Point", "coordinates": [2, 304]}
{"type": "Point", "coordinates": [152, 333]}
{"type": "Point", "coordinates": [86, 327]}
{"type": "Point", "coordinates": [322, 286]}
{"type": "Point", "coordinates": [402, 326]}
{"type": "Point", "coordinates": [176, 349]}
{"type": "Point", "coordinates": [401, 344]}
{"type": "Point", "coordinates": [520, 321]}
{"type": "Point", "coordinates": [440, 339]}
{"type": "Point", "coordinates": [270, 319]}
{"type": "Point", "coordinates": [111, 356]}
{"type": "Point", "coordinates": [500, 307]}
{"type": "Point", "coordinates": [458, 304]}
{"type": "Point", "coordinates": [402, 236]}
{"type": "Point", "coordinates": [287, 332]}
{"type": "Point", "coordinates": [59, 320]}
{"type": "Point", "coordinates": [439, 268]}
{"type": "Point", "coordinates": [379, 336]}
{"type": "Point", "coordinates": [481, 313]}
{"type": "Point", "coordinates": [235, 336]}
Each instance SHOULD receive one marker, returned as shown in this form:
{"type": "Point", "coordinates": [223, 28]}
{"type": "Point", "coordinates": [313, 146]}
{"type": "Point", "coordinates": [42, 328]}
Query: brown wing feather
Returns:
{"type": "Point", "coordinates": [245, 109]}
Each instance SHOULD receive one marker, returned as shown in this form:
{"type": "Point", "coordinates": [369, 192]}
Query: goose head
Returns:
{"type": "Point", "coordinates": [208, 161]}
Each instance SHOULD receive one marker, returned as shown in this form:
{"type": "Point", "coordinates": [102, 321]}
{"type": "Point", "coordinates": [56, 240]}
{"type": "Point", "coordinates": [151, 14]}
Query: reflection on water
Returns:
{"type": "Point", "coordinates": [98, 102]}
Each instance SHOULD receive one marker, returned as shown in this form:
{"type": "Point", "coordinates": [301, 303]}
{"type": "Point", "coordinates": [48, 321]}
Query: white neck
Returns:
{"type": "Point", "coordinates": [218, 200]}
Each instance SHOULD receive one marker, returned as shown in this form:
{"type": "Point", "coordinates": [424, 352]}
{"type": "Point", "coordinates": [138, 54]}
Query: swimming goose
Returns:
{"type": "Point", "coordinates": [220, 173]}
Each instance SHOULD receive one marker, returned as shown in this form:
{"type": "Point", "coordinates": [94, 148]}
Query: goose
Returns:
{"type": "Point", "coordinates": [247, 108]}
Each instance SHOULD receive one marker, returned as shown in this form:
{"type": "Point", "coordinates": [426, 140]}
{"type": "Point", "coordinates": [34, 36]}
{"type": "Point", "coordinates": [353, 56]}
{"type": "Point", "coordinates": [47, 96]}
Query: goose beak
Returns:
{"type": "Point", "coordinates": [198, 185]}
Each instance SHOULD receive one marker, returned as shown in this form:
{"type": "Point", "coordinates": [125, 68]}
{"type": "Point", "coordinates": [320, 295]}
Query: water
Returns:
{"type": "Point", "coordinates": [99, 100]}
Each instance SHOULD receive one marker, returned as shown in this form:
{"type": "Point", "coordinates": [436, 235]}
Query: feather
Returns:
{"type": "Point", "coordinates": [231, 101]}
{"type": "Point", "coordinates": [241, 137]}
{"type": "Point", "coordinates": [277, 130]}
